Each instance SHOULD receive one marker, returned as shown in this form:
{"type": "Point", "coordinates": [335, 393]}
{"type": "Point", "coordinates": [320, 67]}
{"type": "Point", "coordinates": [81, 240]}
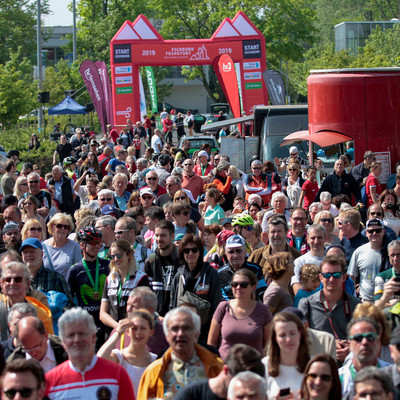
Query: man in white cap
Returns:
{"type": "Point", "coordinates": [293, 157]}
{"type": "Point", "coordinates": [146, 198]}
{"type": "Point", "coordinates": [204, 169]}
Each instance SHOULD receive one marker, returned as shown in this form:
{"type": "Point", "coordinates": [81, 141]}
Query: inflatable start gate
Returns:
{"type": "Point", "coordinates": [139, 44]}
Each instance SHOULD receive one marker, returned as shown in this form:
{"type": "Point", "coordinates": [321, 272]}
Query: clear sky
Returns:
{"type": "Point", "coordinates": [59, 14]}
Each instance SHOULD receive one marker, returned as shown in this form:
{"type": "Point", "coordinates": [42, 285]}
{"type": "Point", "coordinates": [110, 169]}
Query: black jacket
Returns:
{"type": "Point", "coordinates": [68, 205]}
{"type": "Point", "coordinates": [335, 184]}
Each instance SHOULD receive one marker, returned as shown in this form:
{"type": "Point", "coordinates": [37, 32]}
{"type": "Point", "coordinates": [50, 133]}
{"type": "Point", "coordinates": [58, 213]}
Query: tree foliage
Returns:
{"type": "Point", "coordinates": [17, 88]}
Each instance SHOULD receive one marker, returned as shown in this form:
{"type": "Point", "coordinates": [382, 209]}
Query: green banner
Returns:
{"type": "Point", "coordinates": [152, 88]}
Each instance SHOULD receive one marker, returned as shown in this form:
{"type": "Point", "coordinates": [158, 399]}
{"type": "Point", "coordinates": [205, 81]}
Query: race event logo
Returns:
{"type": "Point", "coordinates": [122, 53]}
{"type": "Point", "coordinates": [252, 48]}
{"type": "Point", "coordinates": [227, 67]}
{"type": "Point", "coordinates": [126, 113]}
{"type": "Point", "coordinates": [201, 54]}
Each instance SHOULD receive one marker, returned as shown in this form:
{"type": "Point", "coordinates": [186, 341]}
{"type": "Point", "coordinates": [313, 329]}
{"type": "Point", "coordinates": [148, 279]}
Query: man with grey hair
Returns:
{"type": "Point", "coordinates": [316, 236]}
{"type": "Point", "coordinates": [102, 378]}
{"type": "Point", "coordinates": [387, 283]}
{"type": "Point", "coordinates": [120, 182]}
{"type": "Point", "coordinates": [314, 209]}
{"type": "Point", "coordinates": [64, 191]}
{"type": "Point", "coordinates": [258, 182]}
{"type": "Point", "coordinates": [247, 385]}
{"type": "Point", "coordinates": [106, 225]}
{"type": "Point", "coordinates": [326, 201]}
{"type": "Point", "coordinates": [43, 197]}
{"type": "Point", "coordinates": [184, 362]}
{"type": "Point", "coordinates": [16, 312]}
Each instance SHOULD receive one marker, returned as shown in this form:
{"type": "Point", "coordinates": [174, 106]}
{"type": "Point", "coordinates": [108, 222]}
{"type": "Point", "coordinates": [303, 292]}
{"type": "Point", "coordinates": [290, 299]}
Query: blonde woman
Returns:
{"type": "Point", "coordinates": [33, 229]}
{"type": "Point", "coordinates": [123, 278]}
{"type": "Point", "coordinates": [59, 252]}
{"type": "Point", "coordinates": [29, 206]}
{"type": "Point", "coordinates": [21, 186]}
{"type": "Point", "coordinates": [325, 218]}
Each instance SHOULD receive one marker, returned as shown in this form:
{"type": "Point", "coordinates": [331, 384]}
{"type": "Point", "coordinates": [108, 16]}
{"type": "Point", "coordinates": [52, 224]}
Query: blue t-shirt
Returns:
{"type": "Point", "coordinates": [114, 163]}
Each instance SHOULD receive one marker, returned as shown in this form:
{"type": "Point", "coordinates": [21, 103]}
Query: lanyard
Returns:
{"type": "Point", "coordinates": [95, 284]}
{"type": "Point", "coordinates": [328, 310]}
{"type": "Point", "coordinates": [203, 169]}
{"type": "Point", "coordinates": [119, 293]}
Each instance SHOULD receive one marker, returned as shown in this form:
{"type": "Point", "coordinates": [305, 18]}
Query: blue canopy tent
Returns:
{"type": "Point", "coordinates": [67, 106]}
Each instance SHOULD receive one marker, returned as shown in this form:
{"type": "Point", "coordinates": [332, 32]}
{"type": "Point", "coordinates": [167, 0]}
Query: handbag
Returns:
{"type": "Point", "coordinates": [203, 306]}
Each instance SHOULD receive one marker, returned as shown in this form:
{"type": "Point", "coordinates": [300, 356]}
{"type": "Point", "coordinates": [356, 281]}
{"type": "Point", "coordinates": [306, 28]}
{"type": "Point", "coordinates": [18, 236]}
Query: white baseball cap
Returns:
{"type": "Point", "coordinates": [293, 150]}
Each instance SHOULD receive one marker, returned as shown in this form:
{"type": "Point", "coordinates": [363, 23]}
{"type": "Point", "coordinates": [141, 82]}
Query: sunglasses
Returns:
{"type": "Point", "coordinates": [323, 377]}
{"type": "Point", "coordinates": [33, 182]}
{"type": "Point", "coordinates": [185, 213]}
{"type": "Point", "coordinates": [336, 275]}
{"type": "Point", "coordinates": [151, 178]}
{"type": "Point", "coordinates": [33, 229]}
{"type": "Point", "coordinates": [118, 255]}
{"type": "Point", "coordinates": [147, 197]}
{"type": "Point", "coordinates": [24, 392]}
{"type": "Point", "coordinates": [93, 145]}
{"type": "Point", "coordinates": [187, 165]}
{"type": "Point", "coordinates": [194, 250]}
{"type": "Point", "coordinates": [24, 183]}
{"type": "Point", "coordinates": [29, 203]}
{"type": "Point", "coordinates": [243, 285]}
{"type": "Point", "coordinates": [248, 228]}
{"type": "Point", "coordinates": [256, 167]}
{"type": "Point", "coordinates": [120, 232]}
{"type": "Point", "coordinates": [370, 336]}
{"type": "Point", "coordinates": [330, 220]}
{"type": "Point", "coordinates": [61, 226]}
{"type": "Point", "coordinates": [107, 199]}
{"type": "Point", "coordinates": [292, 169]}
{"type": "Point", "coordinates": [372, 231]}
{"type": "Point", "coordinates": [377, 213]}
{"type": "Point", "coordinates": [181, 198]}
{"type": "Point", "coordinates": [16, 279]}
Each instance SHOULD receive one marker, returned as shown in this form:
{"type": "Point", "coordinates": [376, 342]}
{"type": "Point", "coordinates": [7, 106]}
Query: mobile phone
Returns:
{"type": "Point", "coordinates": [397, 279]}
{"type": "Point", "coordinates": [284, 392]}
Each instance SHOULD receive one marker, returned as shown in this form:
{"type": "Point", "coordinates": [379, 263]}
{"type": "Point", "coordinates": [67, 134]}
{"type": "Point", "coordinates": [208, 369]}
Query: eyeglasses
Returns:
{"type": "Point", "coordinates": [33, 182]}
{"type": "Point", "coordinates": [233, 251]}
{"type": "Point", "coordinates": [323, 377]}
{"type": "Point", "coordinates": [243, 284]}
{"type": "Point", "coordinates": [194, 250]}
{"type": "Point", "coordinates": [330, 220]}
{"type": "Point", "coordinates": [106, 199]}
{"type": "Point", "coordinates": [16, 279]}
{"type": "Point", "coordinates": [118, 255]}
{"type": "Point", "coordinates": [370, 336]}
{"type": "Point", "coordinates": [33, 349]}
{"type": "Point", "coordinates": [372, 231]}
{"type": "Point", "coordinates": [336, 275]}
{"type": "Point", "coordinates": [375, 395]}
{"type": "Point", "coordinates": [377, 213]}
{"type": "Point", "coordinates": [121, 231]}
{"type": "Point", "coordinates": [24, 392]}
{"type": "Point", "coordinates": [394, 255]}
{"type": "Point", "coordinates": [151, 178]}
{"type": "Point", "coordinates": [33, 229]}
{"type": "Point", "coordinates": [299, 219]}
{"type": "Point", "coordinates": [62, 226]}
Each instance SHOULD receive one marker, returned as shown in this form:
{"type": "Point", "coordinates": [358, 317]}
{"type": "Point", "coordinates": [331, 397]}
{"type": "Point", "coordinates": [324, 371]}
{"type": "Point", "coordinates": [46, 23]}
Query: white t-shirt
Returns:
{"type": "Point", "coordinates": [307, 258]}
{"type": "Point", "coordinates": [156, 144]}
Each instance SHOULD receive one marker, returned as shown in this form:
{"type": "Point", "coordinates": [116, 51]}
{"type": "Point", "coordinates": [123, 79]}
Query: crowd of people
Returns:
{"type": "Point", "coordinates": [136, 269]}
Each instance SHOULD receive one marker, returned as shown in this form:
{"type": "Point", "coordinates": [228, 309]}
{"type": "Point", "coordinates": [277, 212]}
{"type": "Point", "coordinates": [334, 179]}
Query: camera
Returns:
{"type": "Point", "coordinates": [391, 206]}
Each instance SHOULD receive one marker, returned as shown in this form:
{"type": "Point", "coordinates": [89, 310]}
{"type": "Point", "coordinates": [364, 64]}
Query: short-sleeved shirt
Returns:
{"type": "Point", "coordinates": [366, 262]}
{"type": "Point", "coordinates": [314, 312]}
{"type": "Point", "coordinates": [63, 150]}
{"type": "Point", "coordinates": [311, 190]}
{"type": "Point", "coordinates": [372, 181]}
{"type": "Point", "coordinates": [277, 298]}
{"type": "Point", "coordinates": [113, 163]}
{"type": "Point", "coordinates": [247, 330]}
{"type": "Point", "coordinates": [381, 279]}
{"type": "Point", "coordinates": [214, 215]}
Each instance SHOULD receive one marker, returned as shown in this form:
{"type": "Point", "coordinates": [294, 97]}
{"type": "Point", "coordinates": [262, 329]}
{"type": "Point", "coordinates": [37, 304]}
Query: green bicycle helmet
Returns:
{"type": "Point", "coordinates": [242, 220]}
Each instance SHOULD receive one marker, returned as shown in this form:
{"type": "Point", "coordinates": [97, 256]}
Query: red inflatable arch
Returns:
{"type": "Point", "coordinates": [139, 44]}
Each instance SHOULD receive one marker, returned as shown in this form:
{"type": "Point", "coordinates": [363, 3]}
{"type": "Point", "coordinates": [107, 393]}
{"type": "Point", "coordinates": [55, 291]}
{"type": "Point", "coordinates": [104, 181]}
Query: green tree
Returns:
{"type": "Point", "coordinates": [18, 27]}
{"type": "Point", "coordinates": [18, 91]}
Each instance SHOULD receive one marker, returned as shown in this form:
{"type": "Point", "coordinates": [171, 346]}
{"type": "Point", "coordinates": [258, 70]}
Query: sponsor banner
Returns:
{"type": "Point", "coordinates": [239, 81]}
{"type": "Point", "coordinates": [123, 90]}
{"type": "Point", "coordinates": [91, 77]}
{"type": "Point", "coordinates": [105, 80]}
{"type": "Point", "coordinates": [123, 70]}
{"type": "Point", "coordinates": [275, 86]}
{"type": "Point", "coordinates": [225, 70]}
{"type": "Point", "coordinates": [122, 53]}
{"type": "Point", "coordinates": [152, 88]}
{"type": "Point", "coordinates": [252, 48]}
{"type": "Point", "coordinates": [251, 65]}
{"type": "Point", "coordinates": [143, 108]}
{"type": "Point", "coordinates": [123, 80]}
{"type": "Point", "coordinates": [252, 75]}
{"type": "Point", "coordinates": [253, 85]}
